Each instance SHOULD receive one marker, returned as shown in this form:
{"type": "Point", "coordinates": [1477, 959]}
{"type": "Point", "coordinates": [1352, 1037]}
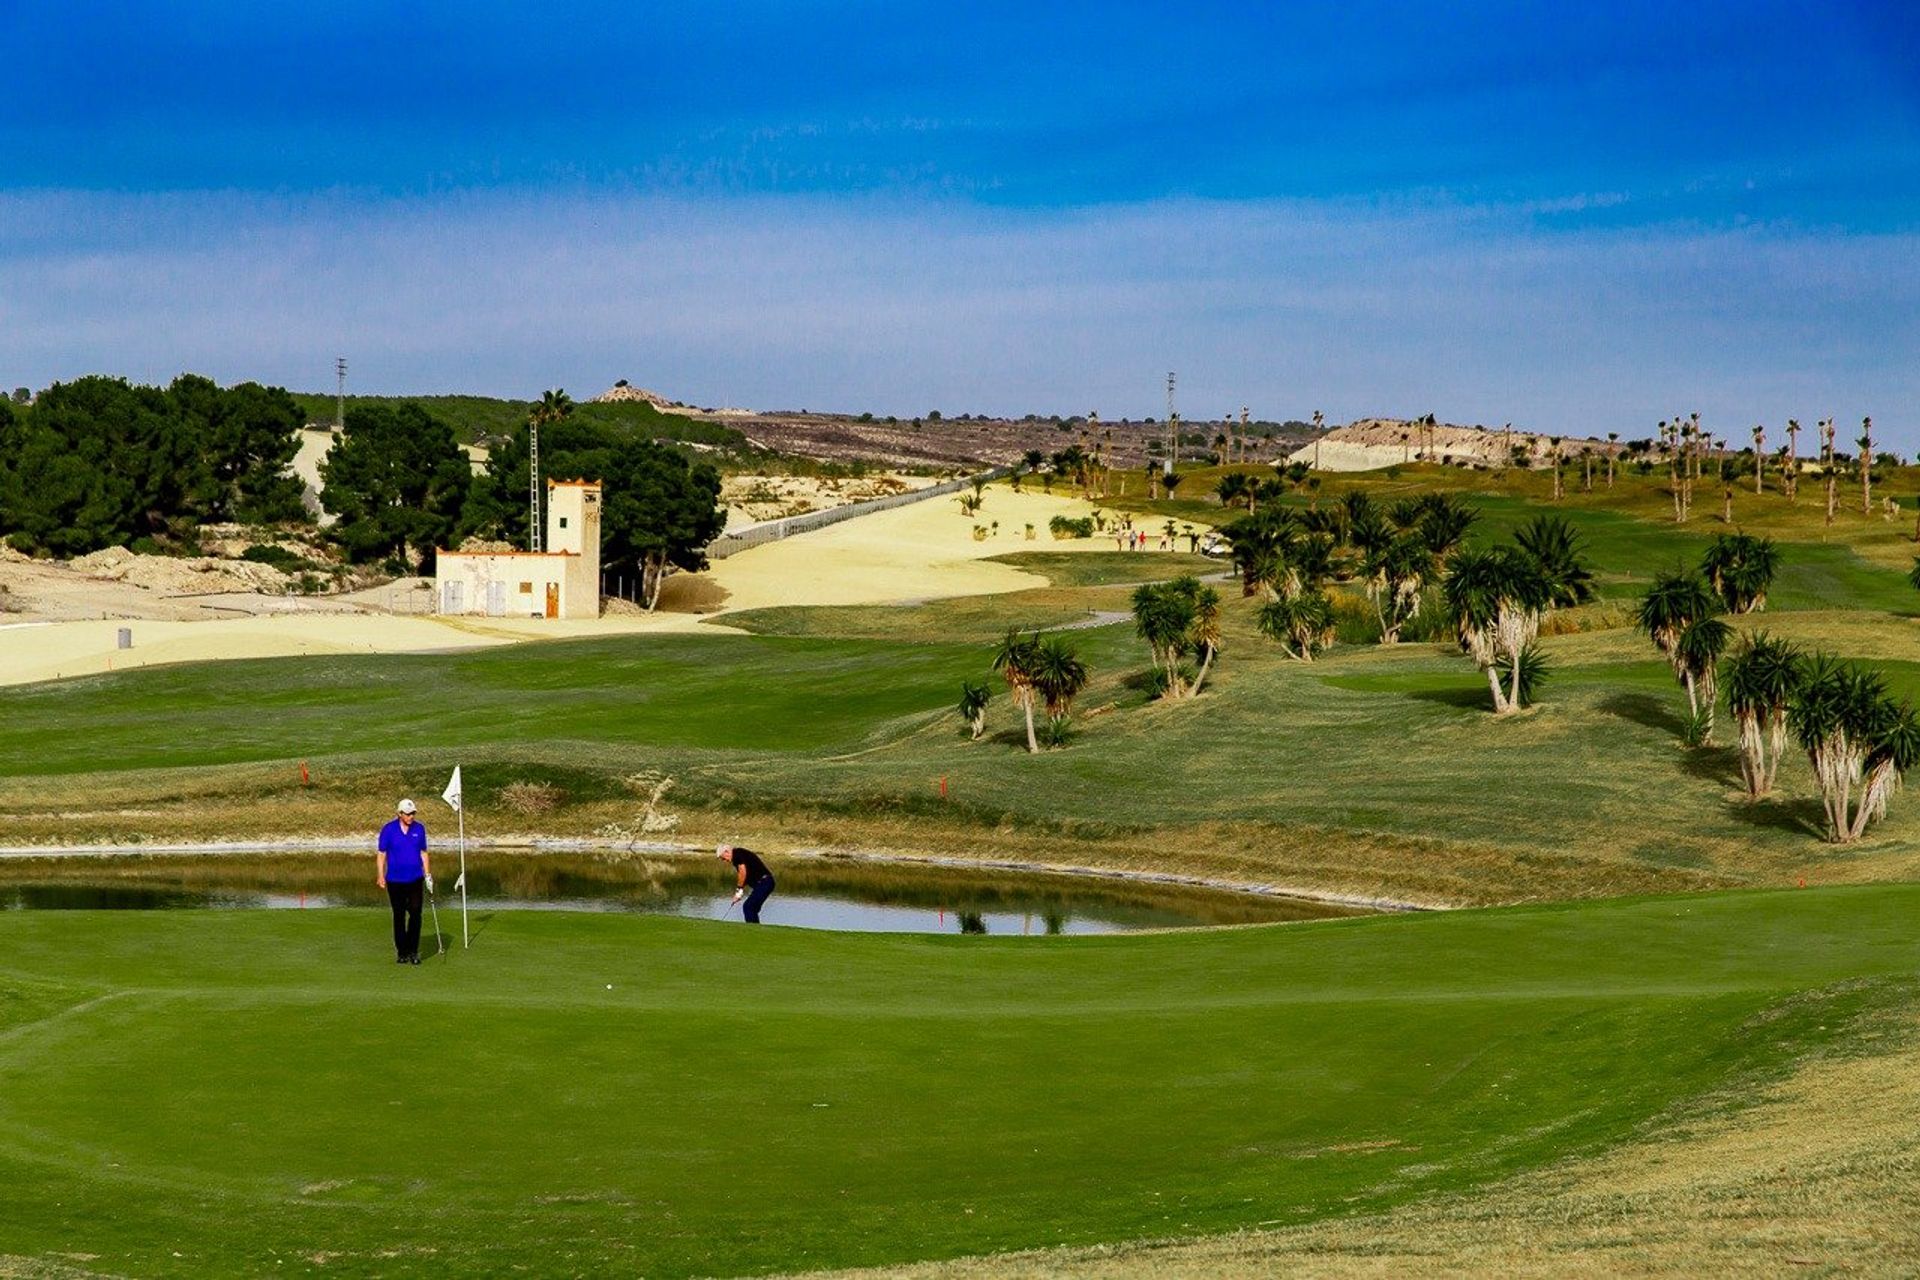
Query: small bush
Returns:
{"type": "Point", "coordinates": [1156, 679]}
{"type": "Point", "coordinates": [530, 799]}
{"type": "Point", "coordinates": [1062, 528]}
{"type": "Point", "coordinates": [279, 557]}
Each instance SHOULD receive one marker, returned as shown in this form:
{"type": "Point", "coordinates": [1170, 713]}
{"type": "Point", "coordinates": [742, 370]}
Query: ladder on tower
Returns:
{"type": "Point", "coordinates": [533, 485]}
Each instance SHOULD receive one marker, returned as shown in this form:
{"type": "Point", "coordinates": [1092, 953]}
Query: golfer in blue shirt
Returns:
{"type": "Point", "coordinates": [404, 872]}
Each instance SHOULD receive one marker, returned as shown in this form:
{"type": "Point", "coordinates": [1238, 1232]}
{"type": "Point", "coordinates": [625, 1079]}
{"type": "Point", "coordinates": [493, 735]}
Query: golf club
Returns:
{"type": "Point", "coordinates": [438, 941]}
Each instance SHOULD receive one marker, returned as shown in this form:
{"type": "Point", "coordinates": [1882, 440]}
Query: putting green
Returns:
{"type": "Point", "coordinates": [199, 1093]}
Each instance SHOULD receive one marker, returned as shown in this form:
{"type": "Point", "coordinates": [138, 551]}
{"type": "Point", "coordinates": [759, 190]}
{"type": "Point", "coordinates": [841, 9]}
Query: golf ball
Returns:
{"type": "Point", "coordinates": [609, 986]}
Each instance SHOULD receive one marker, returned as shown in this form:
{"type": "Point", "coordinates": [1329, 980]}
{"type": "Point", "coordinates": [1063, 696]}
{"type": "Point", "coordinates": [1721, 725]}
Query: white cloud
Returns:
{"type": "Point", "coordinates": [1474, 313]}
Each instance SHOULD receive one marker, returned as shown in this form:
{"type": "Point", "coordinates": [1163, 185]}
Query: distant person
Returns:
{"type": "Point", "coordinates": [754, 882]}
{"type": "Point", "coordinates": [404, 871]}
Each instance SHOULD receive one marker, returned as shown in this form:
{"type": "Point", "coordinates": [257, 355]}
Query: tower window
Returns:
{"type": "Point", "coordinates": [563, 522]}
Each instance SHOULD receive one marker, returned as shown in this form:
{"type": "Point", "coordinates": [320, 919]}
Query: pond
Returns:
{"type": "Point", "coordinates": [814, 893]}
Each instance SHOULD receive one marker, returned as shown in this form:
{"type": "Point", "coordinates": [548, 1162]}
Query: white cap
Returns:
{"type": "Point", "coordinates": [406, 806]}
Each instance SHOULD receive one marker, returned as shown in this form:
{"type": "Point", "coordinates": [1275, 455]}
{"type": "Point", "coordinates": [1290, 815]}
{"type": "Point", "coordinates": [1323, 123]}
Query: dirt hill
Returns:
{"type": "Point", "coordinates": [1371, 443]}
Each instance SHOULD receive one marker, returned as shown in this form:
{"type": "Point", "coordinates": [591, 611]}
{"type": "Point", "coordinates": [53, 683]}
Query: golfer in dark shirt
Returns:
{"type": "Point", "coordinates": [403, 870]}
{"type": "Point", "coordinates": [754, 883]}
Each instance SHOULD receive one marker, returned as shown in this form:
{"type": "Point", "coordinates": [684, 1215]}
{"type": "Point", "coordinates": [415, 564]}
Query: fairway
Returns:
{"type": "Point", "coordinates": [232, 1093]}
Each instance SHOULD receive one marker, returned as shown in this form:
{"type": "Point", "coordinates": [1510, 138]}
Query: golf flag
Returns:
{"type": "Point", "coordinates": [452, 796]}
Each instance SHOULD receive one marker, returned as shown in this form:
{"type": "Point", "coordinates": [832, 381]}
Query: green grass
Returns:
{"type": "Point", "coordinates": [193, 1093]}
{"type": "Point", "coordinates": [710, 693]}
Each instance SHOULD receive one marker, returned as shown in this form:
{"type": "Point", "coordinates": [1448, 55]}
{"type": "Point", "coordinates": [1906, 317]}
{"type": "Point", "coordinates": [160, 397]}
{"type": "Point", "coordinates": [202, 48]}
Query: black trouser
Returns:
{"type": "Point", "coordinates": [406, 899]}
{"type": "Point", "coordinates": [756, 898]}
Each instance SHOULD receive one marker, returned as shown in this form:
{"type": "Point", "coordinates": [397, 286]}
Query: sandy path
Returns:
{"type": "Point", "coordinates": [922, 551]}
{"type": "Point", "coordinates": [48, 651]}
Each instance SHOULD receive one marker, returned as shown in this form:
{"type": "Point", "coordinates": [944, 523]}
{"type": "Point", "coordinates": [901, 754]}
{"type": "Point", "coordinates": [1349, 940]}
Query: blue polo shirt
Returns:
{"type": "Point", "coordinates": [404, 849]}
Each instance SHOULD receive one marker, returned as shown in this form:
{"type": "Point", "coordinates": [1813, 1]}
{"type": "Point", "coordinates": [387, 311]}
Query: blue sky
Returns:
{"type": "Point", "coordinates": [1578, 217]}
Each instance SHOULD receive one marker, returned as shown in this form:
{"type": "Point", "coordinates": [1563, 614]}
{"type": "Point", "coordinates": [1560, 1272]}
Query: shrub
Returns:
{"type": "Point", "coordinates": [279, 557]}
{"type": "Point", "coordinates": [1156, 680]}
{"type": "Point", "coordinates": [1062, 528]}
{"type": "Point", "coordinates": [529, 799]}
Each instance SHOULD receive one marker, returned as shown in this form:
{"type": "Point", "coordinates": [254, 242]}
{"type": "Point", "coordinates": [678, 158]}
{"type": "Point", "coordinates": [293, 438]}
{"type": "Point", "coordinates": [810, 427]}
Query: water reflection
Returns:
{"type": "Point", "coordinates": [813, 893]}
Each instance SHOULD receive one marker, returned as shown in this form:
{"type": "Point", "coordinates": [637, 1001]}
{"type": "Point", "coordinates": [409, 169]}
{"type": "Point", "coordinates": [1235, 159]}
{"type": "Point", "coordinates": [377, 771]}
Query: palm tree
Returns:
{"type": "Point", "coordinates": [1790, 467]}
{"type": "Point", "coordinates": [1673, 613]}
{"type": "Point", "coordinates": [1866, 466]}
{"type": "Point", "coordinates": [974, 696]}
{"type": "Point", "coordinates": [1854, 735]}
{"type": "Point", "coordinates": [1058, 677]}
{"type": "Point", "coordinates": [1554, 547]}
{"type": "Point", "coordinates": [1913, 574]}
{"type": "Point", "coordinates": [1759, 459]}
{"type": "Point", "coordinates": [1741, 567]}
{"type": "Point", "coordinates": [1696, 659]}
{"type": "Point", "coordinates": [1444, 522]}
{"type": "Point", "coordinates": [1896, 749]}
{"type": "Point", "coordinates": [1177, 618]}
{"type": "Point", "coordinates": [1164, 619]}
{"type": "Point", "coordinates": [1762, 679]}
{"type": "Point", "coordinates": [1171, 481]}
{"type": "Point", "coordinates": [1496, 599]}
{"type": "Point", "coordinates": [1613, 439]}
{"type": "Point", "coordinates": [1396, 577]}
{"type": "Point", "coordinates": [1205, 632]}
{"type": "Point", "coordinates": [1672, 602]}
{"type": "Point", "coordinates": [1234, 487]}
{"type": "Point", "coordinates": [1015, 659]}
{"type": "Point", "coordinates": [553, 407]}
{"type": "Point", "coordinates": [1303, 624]}
{"type": "Point", "coordinates": [1829, 470]}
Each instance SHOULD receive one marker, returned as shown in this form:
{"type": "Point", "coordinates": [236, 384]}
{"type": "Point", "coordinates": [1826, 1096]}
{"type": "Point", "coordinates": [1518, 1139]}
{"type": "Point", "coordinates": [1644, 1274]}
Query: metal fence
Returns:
{"type": "Point", "coordinates": [774, 530]}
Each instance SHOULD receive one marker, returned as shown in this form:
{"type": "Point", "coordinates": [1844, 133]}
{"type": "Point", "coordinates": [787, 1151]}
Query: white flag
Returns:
{"type": "Point", "coordinates": [452, 794]}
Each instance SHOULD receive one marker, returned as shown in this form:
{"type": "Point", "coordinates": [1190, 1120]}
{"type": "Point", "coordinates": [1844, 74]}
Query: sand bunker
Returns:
{"type": "Point", "coordinates": [921, 551]}
{"type": "Point", "coordinates": [52, 650]}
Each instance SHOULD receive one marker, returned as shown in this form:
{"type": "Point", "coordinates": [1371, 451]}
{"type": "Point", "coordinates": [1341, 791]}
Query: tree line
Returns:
{"type": "Point", "coordinates": [101, 462]}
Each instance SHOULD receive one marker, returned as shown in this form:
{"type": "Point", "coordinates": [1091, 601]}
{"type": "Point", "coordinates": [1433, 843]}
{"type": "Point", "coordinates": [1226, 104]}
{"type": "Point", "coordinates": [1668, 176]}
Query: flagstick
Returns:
{"type": "Point", "coordinates": [465, 940]}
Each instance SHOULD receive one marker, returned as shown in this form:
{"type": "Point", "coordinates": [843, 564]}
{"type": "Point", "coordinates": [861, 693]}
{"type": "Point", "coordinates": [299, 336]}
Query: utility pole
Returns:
{"type": "Point", "coordinates": [339, 393]}
{"type": "Point", "coordinates": [1173, 430]}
